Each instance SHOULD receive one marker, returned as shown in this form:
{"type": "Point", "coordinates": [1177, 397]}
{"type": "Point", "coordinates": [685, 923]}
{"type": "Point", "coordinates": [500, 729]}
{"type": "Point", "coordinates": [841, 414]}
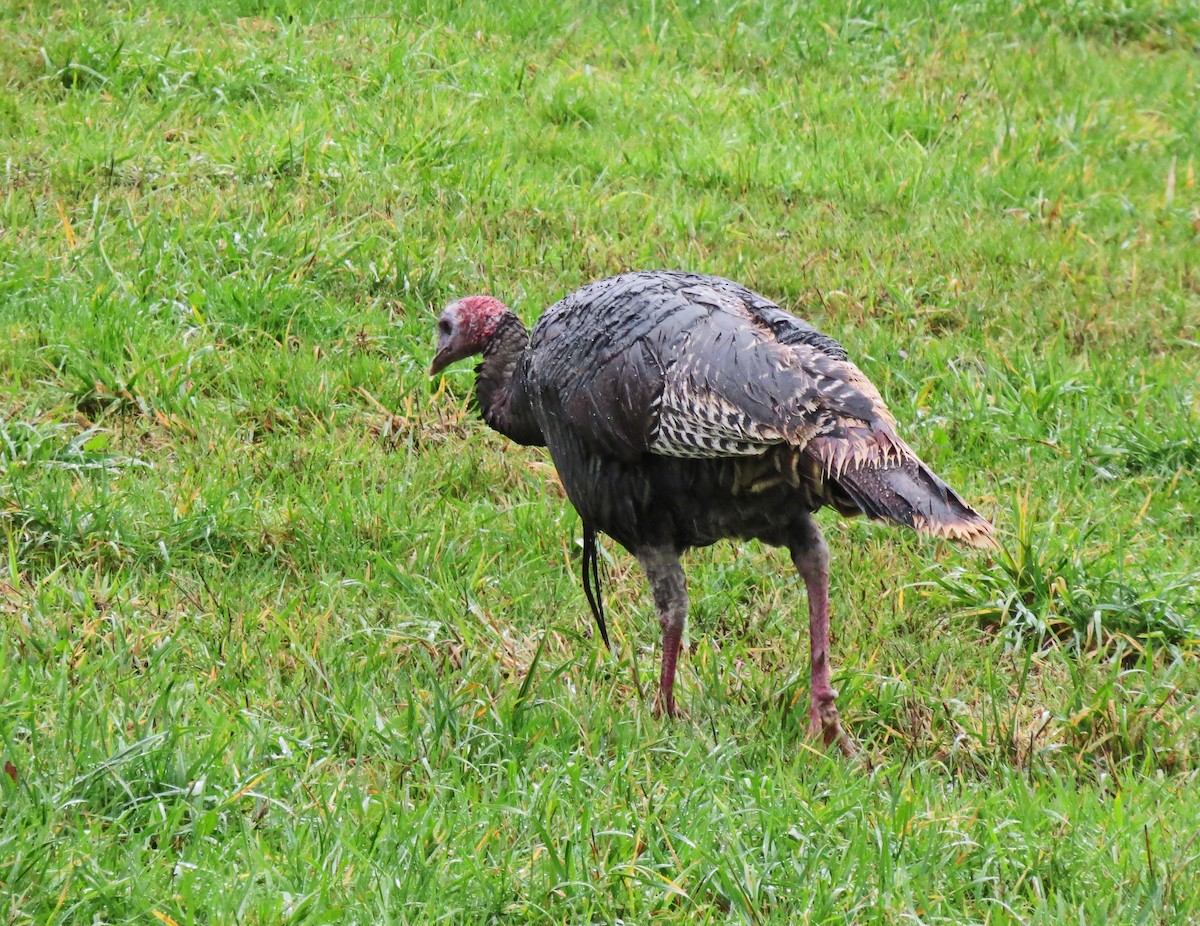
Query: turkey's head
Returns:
{"type": "Point", "coordinates": [465, 328]}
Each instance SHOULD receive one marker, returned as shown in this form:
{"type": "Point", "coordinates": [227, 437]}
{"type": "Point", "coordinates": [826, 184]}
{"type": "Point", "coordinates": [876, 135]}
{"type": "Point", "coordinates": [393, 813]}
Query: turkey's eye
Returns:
{"type": "Point", "coordinates": [444, 326]}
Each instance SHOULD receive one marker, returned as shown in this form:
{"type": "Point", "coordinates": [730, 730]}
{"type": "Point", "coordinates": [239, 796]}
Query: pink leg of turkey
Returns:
{"type": "Point", "coordinates": [667, 582]}
{"type": "Point", "coordinates": [672, 635]}
{"type": "Point", "coordinates": [811, 559]}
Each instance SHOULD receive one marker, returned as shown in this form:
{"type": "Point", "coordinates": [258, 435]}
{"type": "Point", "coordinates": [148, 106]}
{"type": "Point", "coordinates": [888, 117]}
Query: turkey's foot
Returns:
{"type": "Point", "coordinates": [664, 705]}
{"type": "Point", "coordinates": [827, 724]}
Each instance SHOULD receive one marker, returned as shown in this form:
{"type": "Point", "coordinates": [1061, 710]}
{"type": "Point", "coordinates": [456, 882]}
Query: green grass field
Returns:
{"type": "Point", "coordinates": [290, 636]}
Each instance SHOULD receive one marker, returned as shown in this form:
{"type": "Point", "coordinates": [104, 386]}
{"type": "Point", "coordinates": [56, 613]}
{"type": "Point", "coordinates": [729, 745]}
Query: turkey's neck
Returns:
{"type": "Point", "coordinates": [502, 399]}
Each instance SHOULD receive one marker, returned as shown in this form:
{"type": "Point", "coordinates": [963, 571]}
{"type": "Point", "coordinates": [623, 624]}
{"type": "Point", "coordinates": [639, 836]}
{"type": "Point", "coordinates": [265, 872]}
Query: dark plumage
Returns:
{"type": "Point", "coordinates": [682, 409]}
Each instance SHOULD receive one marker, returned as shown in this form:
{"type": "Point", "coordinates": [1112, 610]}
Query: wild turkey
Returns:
{"type": "Point", "coordinates": [681, 409]}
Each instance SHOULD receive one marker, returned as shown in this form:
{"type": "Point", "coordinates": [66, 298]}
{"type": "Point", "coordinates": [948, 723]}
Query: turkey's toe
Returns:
{"type": "Point", "coordinates": [664, 704]}
{"type": "Point", "coordinates": [827, 725]}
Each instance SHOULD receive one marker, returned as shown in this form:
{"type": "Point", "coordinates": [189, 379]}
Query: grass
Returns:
{"type": "Point", "coordinates": [291, 636]}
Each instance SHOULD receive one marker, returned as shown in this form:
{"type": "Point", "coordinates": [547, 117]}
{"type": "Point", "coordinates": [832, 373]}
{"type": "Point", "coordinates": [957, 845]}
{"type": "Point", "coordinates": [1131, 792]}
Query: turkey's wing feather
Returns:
{"type": "Point", "coordinates": [737, 389]}
{"type": "Point", "coordinates": [786, 327]}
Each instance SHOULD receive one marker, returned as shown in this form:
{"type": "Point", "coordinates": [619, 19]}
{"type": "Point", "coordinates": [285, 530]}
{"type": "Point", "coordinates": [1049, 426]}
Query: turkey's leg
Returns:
{"type": "Point", "coordinates": [665, 574]}
{"type": "Point", "coordinates": [810, 555]}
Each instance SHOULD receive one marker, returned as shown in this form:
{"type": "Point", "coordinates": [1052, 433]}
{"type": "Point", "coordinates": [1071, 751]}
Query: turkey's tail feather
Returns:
{"type": "Point", "coordinates": [909, 493]}
{"type": "Point", "coordinates": [591, 581]}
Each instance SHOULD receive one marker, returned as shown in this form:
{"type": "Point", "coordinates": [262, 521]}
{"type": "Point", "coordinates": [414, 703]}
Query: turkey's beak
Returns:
{"type": "Point", "coordinates": [447, 353]}
{"type": "Point", "coordinates": [442, 359]}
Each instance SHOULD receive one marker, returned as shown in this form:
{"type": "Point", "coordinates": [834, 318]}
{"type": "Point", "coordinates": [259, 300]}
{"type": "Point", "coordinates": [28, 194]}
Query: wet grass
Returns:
{"type": "Point", "coordinates": [290, 635]}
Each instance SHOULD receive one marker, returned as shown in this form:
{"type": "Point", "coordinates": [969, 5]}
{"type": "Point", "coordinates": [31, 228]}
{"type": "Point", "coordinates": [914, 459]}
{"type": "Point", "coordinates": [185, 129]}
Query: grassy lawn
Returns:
{"type": "Point", "coordinates": [289, 635]}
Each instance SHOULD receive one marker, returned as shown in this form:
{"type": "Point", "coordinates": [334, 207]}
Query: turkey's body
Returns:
{"type": "Point", "coordinates": [682, 409]}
